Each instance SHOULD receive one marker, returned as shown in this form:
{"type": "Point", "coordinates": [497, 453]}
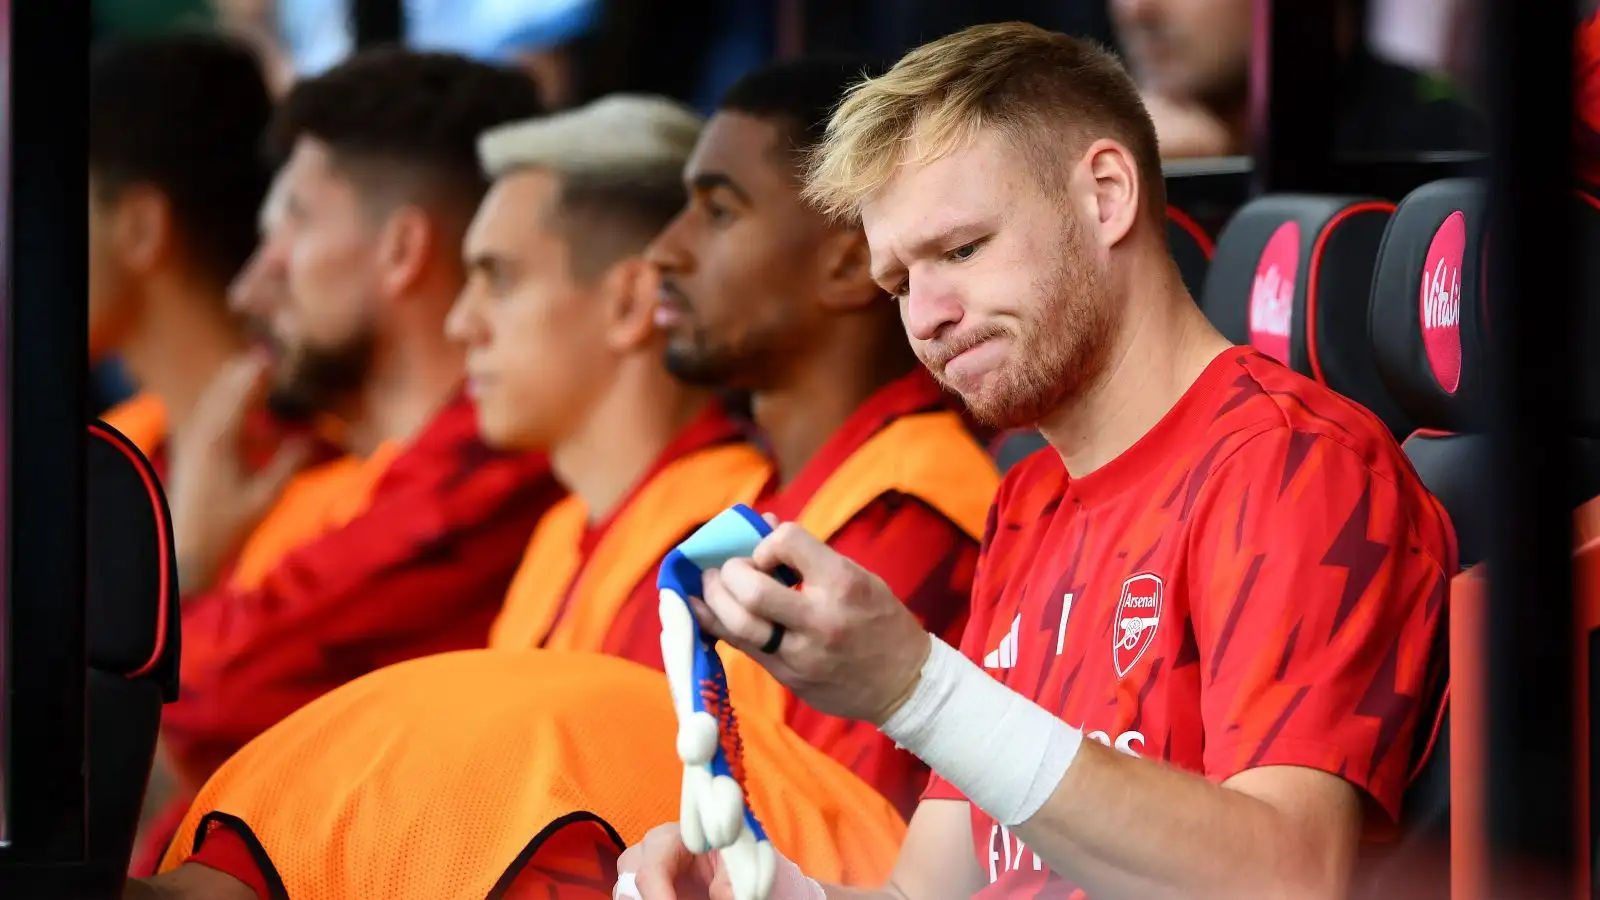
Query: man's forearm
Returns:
{"type": "Point", "coordinates": [1120, 826]}
{"type": "Point", "coordinates": [1111, 821]}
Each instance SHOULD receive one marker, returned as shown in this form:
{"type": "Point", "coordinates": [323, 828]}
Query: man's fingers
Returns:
{"type": "Point", "coordinates": [234, 390]}
{"type": "Point", "coordinates": [793, 546]}
{"type": "Point", "coordinates": [736, 623]}
{"type": "Point", "coordinates": [661, 860]}
{"type": "Point", "coordinates": [721, 885]}
{"type": "Point", "coordinates": [268, 483]}
{"type": "Point", "coordinates": [707, 619]}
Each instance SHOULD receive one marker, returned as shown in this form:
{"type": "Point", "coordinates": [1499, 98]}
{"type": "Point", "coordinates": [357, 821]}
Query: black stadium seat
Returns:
{"type": "Point", "coordinates": [1430, 336]}
{"type": "Point", "coordinates": [1291, 277]}
{"type": "Point", "coordinates": [132, 626]}
{"type": "Point", "coordinates": [1426, 340]}
{"type": "Point", "coordinates": [1427, 305]}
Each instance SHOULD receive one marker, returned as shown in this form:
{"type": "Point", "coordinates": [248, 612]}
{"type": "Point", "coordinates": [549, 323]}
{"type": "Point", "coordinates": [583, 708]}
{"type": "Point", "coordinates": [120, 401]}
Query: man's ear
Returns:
{"type": "Point", "coordinates": [406, 245]}
{"type": "Point", "coordinates": [628, 294]}
{"type": "Point", "coordinates": [142, 230]}
{"type": "Point", "coordinates": [847, 271]}
{"type": "Point", "coordinates": [1116, 194]}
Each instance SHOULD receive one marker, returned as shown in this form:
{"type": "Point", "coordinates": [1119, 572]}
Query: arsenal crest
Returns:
{"type": "Point", "coordinates": [1138, 614]}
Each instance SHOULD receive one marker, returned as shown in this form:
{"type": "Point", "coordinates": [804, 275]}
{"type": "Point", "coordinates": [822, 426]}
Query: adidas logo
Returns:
{"type": "Point", "coordinates": [1005, 656]}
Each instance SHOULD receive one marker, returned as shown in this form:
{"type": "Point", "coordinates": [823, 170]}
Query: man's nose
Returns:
{"type": "Point", "coordinates": [460, 322]}
{"type": "Point", "coordinates": [928, 309]}
{"type": "Point", "coordinates": [667, 251]}
{"type": "Point", "coordinates": [249, 290]}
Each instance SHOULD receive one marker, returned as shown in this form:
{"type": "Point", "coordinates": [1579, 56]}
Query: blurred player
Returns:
{"type": "Point", "coordinates": [364, 234]}
{"type": "Point", "coordinates": [563, 356]}
{"type": "Point", "coordinates": [175, 179]}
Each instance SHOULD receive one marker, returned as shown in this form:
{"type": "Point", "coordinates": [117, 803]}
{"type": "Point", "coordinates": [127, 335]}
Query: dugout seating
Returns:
{"type": "Point", "coordinates": [1425, 323]}
{"type": "Point", "coordinates": [1430, 328]}
{"type": "Point", "coordinates": [131, 623]}
{"type": "Point", "coordinates": [1292, 276]}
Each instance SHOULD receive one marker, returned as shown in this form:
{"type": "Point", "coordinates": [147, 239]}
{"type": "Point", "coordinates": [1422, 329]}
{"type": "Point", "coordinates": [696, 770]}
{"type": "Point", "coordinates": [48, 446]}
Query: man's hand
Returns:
{"type": "Point", "coordinates": [215, 500]}
{"type": "Point", "coordinates": [850, 648]}
{"type": "Point", "coordinates": [664, 869]}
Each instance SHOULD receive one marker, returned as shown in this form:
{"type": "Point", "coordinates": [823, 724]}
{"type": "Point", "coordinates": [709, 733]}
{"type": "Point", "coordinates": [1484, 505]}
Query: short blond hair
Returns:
{"type": "Point", "coordinates": [1035, 85]}
{"type": "Point", "coordinates": [620, 164]}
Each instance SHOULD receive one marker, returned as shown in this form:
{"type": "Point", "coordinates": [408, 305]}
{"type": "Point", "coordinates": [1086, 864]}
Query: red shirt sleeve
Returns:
{"type": "Point", "coordinates": [226, 851]}
{"type": "Point", "coordinates": [424, 570]}
{"type": "Point", "coordinates": [929, 563]}
{"type": "Point", "coordinates": [1325, 574]}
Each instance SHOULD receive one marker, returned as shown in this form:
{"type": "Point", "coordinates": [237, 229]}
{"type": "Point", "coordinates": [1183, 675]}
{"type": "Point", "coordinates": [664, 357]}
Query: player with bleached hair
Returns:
{"type": "Point", "coordinates": [1201, 625]}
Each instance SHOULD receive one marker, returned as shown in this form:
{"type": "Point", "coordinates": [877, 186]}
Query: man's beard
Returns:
{"type": "Point", "coordinates": [702, 363]}
{"type": "Point", "coordinates": [1054, 360]}
{"type": "Point", "coordinates": [315, 380]}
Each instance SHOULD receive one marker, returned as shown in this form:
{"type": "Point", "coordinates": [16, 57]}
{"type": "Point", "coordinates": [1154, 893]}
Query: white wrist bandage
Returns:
{"type": "Point", "coordinates": [1006, 753]}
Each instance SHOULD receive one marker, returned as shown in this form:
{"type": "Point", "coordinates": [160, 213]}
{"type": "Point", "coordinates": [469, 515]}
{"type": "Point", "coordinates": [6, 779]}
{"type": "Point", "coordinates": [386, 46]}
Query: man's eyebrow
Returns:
{"type": "Point", "coordinates": [485, 260]}
{"type": "Point", "coordinates": [931, 243]}
{"type": "Point", "coordinates": [710, 181]}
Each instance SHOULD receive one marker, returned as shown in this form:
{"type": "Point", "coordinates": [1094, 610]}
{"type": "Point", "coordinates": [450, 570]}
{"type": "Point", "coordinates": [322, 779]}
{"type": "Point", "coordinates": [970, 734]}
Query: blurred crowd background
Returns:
{"type": "Point", "coordinates": [693, 49]}
{"type": "Point", "coordinates": [1407, 76]}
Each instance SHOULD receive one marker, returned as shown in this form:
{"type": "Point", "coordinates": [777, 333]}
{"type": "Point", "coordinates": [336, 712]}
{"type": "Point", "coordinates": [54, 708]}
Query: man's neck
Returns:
{"type": "Point", "coordinates": [182, 341]}
{"type": "Point", "coordinates": [411, 381]}
{"type": "Point", "coordinates": [624, 435]}
{"type": "Point", "coordinates": [820, 394]}
{"type": "Point", "coordinates": [1163, 347]}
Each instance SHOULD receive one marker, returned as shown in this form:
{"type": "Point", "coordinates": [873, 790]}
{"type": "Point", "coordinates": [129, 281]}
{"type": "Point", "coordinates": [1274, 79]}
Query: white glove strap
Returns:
{"type": "Point", "coordinates": [1000, 749]}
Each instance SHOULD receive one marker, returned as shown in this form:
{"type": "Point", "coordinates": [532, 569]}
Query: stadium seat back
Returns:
{"type": "Point", "coordinates": [1431, 328]}
{"type": "Point", "coordinates": [132, 634]}
{"type": "Point", "coordinates": [1291, 276]}
{"type": "Point", "coordinates": [1426, 336]}
{"type": "Point", "coordinates": [1424, 327]}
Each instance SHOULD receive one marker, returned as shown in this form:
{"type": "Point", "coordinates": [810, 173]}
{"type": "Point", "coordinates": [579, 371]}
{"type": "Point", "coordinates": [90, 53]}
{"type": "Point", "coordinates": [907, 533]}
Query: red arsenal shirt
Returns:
{"type": "Point", "coordinates": [1256, 582]}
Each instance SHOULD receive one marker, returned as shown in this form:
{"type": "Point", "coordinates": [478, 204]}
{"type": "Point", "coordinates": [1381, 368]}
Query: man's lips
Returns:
{"type": "Point", "coordinates": [670, 308]}
{"type": "Point", "coordinates": [477, 381]}
{"type": "Point", "coordinates": [969, 361]}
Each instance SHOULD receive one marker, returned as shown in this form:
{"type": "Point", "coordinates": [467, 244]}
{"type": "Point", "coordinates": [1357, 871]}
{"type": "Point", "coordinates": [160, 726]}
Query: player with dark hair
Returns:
{"type": "Point", "coordinates": [1202, 623]}
{"type": "Point", "coordinates": [761, 293]}
{"type": "Point", "coordinates": [362, 233]}
{"type": "Point", "coordinates": [175, 179]}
